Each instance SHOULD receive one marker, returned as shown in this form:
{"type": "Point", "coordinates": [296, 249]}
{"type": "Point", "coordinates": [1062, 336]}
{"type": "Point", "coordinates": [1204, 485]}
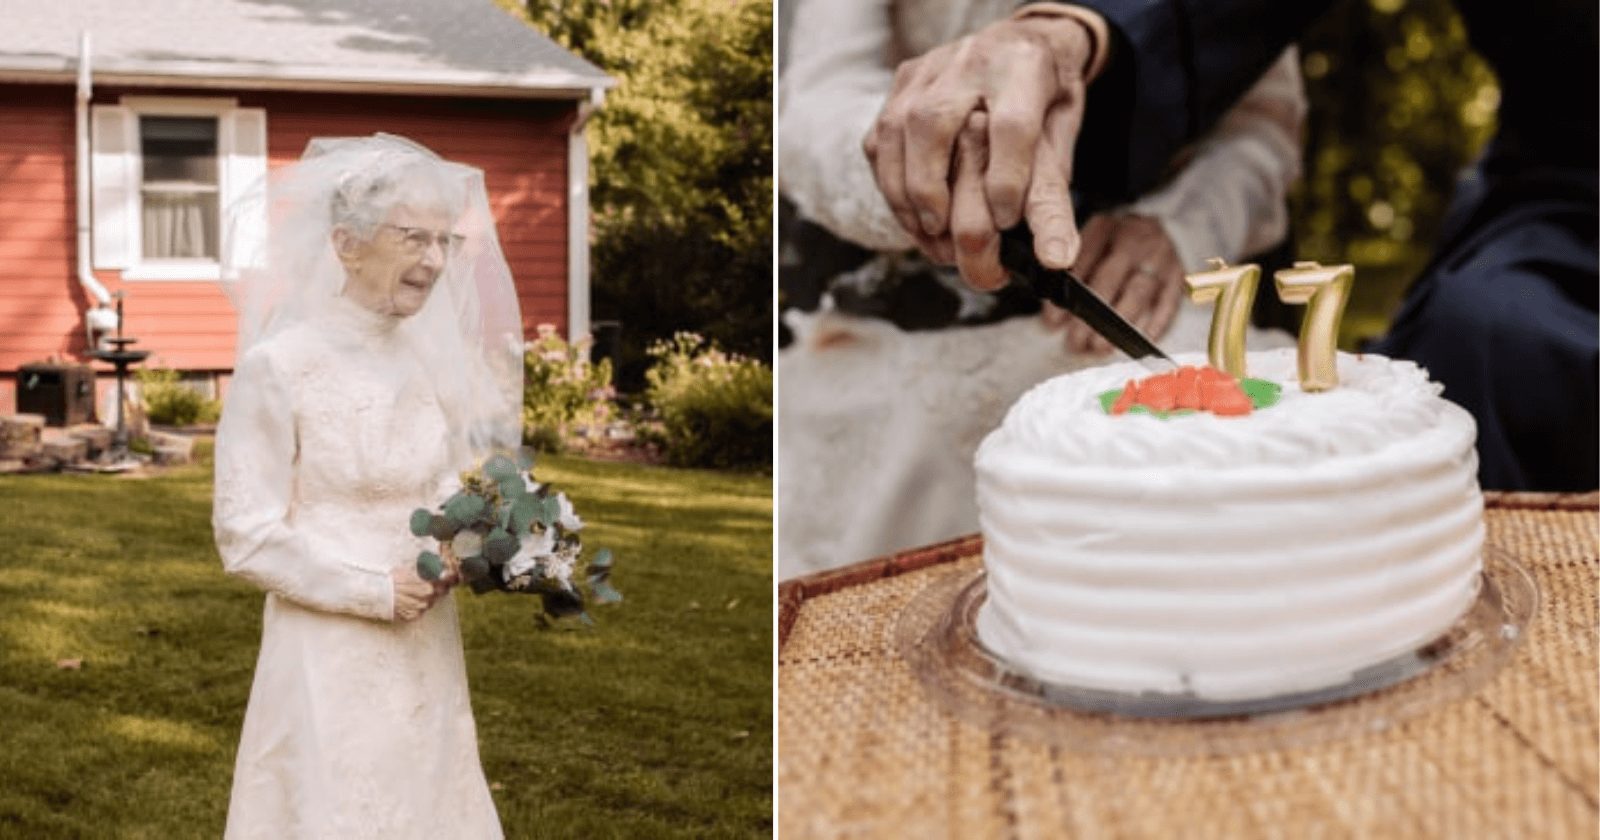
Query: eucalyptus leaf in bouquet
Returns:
{"type": "Point", "coordinates": [441, 528]}
{"type": "Point", "coordinates": [500, 468]}
{"type": "Point", "coordinates": [503, 530]}
{"type": "Point", "coordinates": [500, 546]}
{"type": "Point", "coordinates": [464, 507]}
{"type": "Point", "coordinates": [430, 566]}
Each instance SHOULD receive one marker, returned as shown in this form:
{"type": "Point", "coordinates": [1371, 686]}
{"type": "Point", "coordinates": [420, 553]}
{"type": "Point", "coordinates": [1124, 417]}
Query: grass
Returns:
{"type": "Point", "coordinates": [656, 723]}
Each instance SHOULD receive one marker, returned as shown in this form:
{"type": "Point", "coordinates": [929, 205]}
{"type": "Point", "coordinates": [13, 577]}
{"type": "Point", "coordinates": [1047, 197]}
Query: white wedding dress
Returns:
{"type": "Point", "coordinates": [357, 727]}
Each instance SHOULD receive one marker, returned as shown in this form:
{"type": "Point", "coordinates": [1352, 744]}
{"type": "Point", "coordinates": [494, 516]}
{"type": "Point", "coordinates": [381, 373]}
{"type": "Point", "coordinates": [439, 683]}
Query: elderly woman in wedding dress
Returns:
{"type": "Point", "coordinates": [878, 425]}
{"type": "Point", "coordinates": [379, 353]}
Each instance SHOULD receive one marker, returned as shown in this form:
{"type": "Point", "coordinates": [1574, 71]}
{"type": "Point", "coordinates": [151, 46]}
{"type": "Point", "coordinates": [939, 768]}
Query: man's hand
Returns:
{"type": "Point", "coordinates": [1027, 75]}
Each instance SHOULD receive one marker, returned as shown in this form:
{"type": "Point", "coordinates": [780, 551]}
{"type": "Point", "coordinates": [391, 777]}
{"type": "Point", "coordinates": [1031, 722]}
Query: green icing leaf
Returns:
{"type": "Point", "coordinates": [420, 522]}
{"type": "Point", "coordinates": [1176, 412]}
{"type": "Point", "coordinates": [1109, 398]}
{"type": "Point", "coordinates": [1261, 392]}
{"type": "Point", "coordinates": [429, 566]}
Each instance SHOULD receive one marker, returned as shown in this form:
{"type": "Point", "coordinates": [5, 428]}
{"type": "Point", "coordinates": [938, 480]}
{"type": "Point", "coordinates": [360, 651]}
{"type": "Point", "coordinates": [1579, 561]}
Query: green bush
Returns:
{"type": "Point", "coordinates": [715, 408]}
{"type": "Point", "coordinates": [681, 179]}
{"type": "Point", "coordinates": [170, 402]}
{"type": "Point", "coordinates": [562, 392]}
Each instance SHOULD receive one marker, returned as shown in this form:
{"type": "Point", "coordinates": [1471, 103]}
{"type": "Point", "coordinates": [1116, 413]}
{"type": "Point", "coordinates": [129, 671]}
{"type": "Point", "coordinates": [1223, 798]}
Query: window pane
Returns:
{"type": "Point", "coordinates": [180, 225]}
{"type": "Point", "coordinates": [179, 149]}
{"type": "Point", "coordinates": [179, 212]}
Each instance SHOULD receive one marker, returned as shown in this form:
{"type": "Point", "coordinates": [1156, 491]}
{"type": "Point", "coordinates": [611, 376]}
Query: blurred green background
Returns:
{"type": "Point", "coordinates": [680, 168]}
{"type": "Point", "coordinates": [1400, 104]}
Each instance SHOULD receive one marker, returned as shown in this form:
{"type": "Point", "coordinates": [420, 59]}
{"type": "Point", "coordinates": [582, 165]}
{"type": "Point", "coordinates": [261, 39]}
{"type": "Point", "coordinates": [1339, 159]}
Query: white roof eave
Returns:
{"type": "Point", "coordinates": [554, 84]}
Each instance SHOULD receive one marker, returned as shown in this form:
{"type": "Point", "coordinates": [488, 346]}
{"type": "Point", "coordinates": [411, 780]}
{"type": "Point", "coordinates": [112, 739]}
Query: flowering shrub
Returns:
{"type": "Point", "coordinates": [562, 392]}
{"type": "Point", "coordinates": [169, 402]}
{"type": "Point", "coordinates": [715, 408]}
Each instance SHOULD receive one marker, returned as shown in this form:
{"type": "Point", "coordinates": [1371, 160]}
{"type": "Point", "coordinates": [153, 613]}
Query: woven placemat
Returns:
{"type": "Point", "coordinates": [864, 752]}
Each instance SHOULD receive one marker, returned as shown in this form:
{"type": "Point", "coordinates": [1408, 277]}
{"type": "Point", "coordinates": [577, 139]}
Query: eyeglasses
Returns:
{"type": "Point", "coordinates": [415, 240]}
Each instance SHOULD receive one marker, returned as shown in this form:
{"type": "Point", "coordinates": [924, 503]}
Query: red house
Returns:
{"type": "Point", "coordinates": [126, 127]}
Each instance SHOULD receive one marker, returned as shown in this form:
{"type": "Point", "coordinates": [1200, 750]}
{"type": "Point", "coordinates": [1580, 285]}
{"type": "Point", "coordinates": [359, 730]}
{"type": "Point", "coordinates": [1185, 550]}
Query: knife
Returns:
{"type": "Point", "coordinates": [1064, 289]}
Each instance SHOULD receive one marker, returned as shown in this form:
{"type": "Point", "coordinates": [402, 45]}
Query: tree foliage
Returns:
{"type": "Point", "coordinates": [681, 186]}
{"type": "Point", "coordinates": [1399, 105]}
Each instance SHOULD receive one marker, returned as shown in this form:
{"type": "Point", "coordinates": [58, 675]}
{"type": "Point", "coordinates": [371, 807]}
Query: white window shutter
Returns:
{"type": "Point", "coordinates": [114, 181]}
{"type": "Point", "coordinates": [243, 148]}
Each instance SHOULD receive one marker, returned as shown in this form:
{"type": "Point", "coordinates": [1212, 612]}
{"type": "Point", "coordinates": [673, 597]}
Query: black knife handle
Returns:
{"type": "Point", "coordinates": [1065, 290]}
{"type": "Point", "coordinates": [1016, 256]}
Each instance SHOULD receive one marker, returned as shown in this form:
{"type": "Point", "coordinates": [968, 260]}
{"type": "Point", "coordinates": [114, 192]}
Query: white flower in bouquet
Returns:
{"type": "Point", "coordinates": [559, 566]}
{"type": "Point", "coordinates": [536, 548]}
{"type": "Point", "coordinates": [567, 517]}
{"type": "Point", "coordinates": [533, 487]}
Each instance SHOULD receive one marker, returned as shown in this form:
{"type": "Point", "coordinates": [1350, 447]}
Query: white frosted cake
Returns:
{"type": "Point", "coordinates": [1228, 557]}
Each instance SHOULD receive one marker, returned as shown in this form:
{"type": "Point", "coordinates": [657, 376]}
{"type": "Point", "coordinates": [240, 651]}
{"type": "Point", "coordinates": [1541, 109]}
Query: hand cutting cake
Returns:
{"type": "Point", "coordinates": [1226, 549]}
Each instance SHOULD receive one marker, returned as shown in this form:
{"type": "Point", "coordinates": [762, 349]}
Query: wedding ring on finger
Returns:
{"type": "Point", "coordinates": [1148, 269]}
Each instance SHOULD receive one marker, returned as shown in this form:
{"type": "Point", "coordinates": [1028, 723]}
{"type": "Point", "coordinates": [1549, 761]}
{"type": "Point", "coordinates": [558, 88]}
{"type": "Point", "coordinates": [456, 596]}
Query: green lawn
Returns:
{"type": "Point", "coordinates": [656, 723]}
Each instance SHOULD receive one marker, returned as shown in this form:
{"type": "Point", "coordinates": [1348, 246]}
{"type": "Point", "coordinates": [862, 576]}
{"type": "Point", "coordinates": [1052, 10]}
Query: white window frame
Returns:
{"type": "Point", "coordinates": [228, 149]}
{"type": "Point", "coordinates": [161, 106]}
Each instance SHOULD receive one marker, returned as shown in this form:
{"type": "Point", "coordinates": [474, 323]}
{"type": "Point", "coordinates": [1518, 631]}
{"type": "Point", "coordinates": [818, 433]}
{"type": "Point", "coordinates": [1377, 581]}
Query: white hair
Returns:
{"type": "Point", "coordinates": [364, 198]}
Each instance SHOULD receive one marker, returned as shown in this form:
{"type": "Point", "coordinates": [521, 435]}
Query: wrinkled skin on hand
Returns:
{"type": "Point", "coordinates": [414, 596]}
{"type": "Point", "coordinates": [978, 135]}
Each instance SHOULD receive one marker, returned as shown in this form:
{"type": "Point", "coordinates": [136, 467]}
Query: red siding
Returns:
{"type": "Point", "coordinates": [521, 146]}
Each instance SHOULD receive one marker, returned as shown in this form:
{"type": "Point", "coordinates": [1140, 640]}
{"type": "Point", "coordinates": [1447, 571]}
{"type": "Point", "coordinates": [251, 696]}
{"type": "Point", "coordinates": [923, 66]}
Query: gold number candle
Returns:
{"type": "Point", "coordinates": [1234, 290]}
{"type": "Point", "coordinates": [1324, 289]}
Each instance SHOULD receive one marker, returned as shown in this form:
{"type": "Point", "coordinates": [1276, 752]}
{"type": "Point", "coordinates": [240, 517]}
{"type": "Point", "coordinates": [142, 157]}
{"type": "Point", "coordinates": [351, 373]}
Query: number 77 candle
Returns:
{"type": "Point", "coordinates": [1324, 290]}
{"type": "Point", "coordinates": [1234, 290]}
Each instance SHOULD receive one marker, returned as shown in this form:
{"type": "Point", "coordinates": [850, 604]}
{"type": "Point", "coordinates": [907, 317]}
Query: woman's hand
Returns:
{"type": "Point", "coordinates": [452, 572]}
{"type": "Point", "coordinates": [413, 595]}
{"type": "Point", "coordinates": [1131, 264]}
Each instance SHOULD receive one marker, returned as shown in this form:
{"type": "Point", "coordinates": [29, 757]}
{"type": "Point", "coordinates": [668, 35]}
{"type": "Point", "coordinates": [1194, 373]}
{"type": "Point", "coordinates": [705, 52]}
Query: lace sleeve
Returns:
{"type": "Point", "coordinates": [836, 81]}
{"type": "Point", "coordinates": [1229, 201]}
{"type": "Point", "coordinates": [255, 462]}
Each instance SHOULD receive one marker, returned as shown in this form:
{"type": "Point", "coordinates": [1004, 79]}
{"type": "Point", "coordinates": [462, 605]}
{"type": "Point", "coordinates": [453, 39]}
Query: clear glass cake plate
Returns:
{"type": "Point", "coordinates": [937, 635]}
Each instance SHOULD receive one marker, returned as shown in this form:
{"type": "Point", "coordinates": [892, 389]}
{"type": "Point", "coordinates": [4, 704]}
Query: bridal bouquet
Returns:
{"type": "Point", "coordinates": [511, 533]}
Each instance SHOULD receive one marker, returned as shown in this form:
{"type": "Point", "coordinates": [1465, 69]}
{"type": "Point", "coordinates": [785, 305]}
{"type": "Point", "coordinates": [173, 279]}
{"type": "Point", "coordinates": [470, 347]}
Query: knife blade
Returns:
{"type": "Point", "coordinates": [1064, 289]}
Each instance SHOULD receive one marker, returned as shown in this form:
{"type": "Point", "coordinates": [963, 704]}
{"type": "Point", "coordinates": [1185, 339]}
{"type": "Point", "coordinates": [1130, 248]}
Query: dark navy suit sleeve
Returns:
{"type": "Point", "coordinates": [1176, 66]}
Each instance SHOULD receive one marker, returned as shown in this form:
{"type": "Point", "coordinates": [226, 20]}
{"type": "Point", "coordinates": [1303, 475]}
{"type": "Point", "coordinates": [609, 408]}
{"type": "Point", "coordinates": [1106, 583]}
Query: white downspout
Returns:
{"type": "Point", "coordinates": [98, 317]}
{"type": "Point", "coordinates": [578, 218]}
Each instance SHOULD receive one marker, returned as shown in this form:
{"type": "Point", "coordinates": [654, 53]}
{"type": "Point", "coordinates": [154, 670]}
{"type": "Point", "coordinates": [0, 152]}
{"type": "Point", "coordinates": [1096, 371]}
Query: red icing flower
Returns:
{"type": "Point", "coordinates": [1188, 387]}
